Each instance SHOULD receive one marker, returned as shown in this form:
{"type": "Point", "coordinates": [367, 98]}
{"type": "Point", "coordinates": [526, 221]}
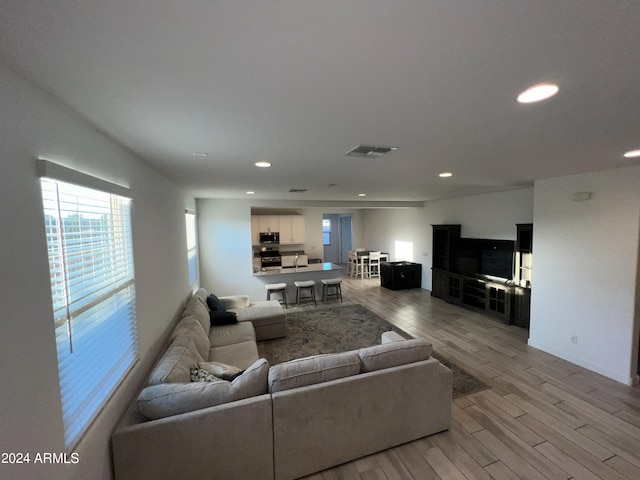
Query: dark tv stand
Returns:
{"type": "Point", "coordinates": [475, 292]}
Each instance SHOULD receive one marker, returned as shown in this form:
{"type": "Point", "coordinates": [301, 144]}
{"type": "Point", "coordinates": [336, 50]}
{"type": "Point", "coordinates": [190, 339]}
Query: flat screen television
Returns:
{"type": "Point", "coordinates": [497, 263]}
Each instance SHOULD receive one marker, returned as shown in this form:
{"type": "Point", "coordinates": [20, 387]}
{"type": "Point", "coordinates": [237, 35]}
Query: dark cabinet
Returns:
{"type": "Point", "coordinates": [521, 306]}
{"type": "Point", "coordinates": [524, 254]}
{"type": "Point", "coordinates": [445, 243]}
{"type": "Point", "coordinates": [444, 255]}
{"type": "Point", "coordinates": [440, 283]}
{"type": "Point", "coordinates": [400, 275]}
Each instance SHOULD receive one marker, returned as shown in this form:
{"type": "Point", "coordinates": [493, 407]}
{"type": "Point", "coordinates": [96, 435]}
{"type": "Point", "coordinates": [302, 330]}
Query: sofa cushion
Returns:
{"type": "Point", "coordinates": [163, 400]}
{"type": "Point", "coordinates": [235, 301]}
{"type": "Point", "coordinates": [190, 326]}
{"type": "Point", "coordinates": [196, 309]}
{"type": "Point", "coordinates": [262, 313]}
{"type": "Point", "coordinates": [394, 354]}
{"type": "Point", "coordinates": [242, 354]}
{"type": "Point", "coordinates": [214, 304]}
{"type": "Point", "coordinates": [175, 364]}
{"type": "Point", "coordinates": [218, 318]}
{"type": "Point", "coordinates": [312, 370]}
{"type": "Point", "coordinates": [230, 334]}
{"type": "Point", "coordinates": [221, 370]}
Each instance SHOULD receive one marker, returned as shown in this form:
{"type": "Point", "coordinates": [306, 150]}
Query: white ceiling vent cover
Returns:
{"type": "Point", "coordinates": [369, 151]}
{"type": "Point", "coordinates": [297, 190]}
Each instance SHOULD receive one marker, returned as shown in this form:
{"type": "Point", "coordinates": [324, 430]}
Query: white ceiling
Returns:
{"type": "Point", "coordinates": [299, 83]}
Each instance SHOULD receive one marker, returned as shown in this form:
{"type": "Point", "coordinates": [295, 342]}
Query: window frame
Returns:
{"type": "Point", "coordinates": [191, 225]}
{"type": "Point", "coordinates": [326, 232]}
{"type": "Point", "coordinates": [92, 275]}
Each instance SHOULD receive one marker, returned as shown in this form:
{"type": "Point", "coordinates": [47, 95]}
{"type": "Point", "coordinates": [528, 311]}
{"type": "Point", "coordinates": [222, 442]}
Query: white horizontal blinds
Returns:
{"type": "Point", "coordinates": [93, 292]}
{"type": "Point", "coordinates": [192, 247]}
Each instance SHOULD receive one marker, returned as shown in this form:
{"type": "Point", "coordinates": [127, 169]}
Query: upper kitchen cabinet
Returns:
{"type": "Point", "coordinates": [255, 230]}
{"type": "Point", "coordinates": [269, 223]}
{"type": "Point", "coordinates": [291, 229]}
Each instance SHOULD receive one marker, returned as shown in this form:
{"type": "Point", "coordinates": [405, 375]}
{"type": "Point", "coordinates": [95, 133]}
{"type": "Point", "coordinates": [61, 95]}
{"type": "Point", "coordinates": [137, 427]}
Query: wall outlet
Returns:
{"type": "Point", "coordinates": [573, 339]}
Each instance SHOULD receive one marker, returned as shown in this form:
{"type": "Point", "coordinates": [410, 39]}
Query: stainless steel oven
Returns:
{"type": "Point", "coordinates": [270, 257]}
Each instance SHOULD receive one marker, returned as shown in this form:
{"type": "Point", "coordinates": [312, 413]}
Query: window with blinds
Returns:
{"type": "Point", "coordinates": [93, 290]}
{"type": "Point", "coordinates": [192, 247]}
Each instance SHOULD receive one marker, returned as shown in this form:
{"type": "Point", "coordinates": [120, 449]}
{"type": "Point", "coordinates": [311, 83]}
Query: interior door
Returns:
{"type": "Point", "coordinates": [345, 237]}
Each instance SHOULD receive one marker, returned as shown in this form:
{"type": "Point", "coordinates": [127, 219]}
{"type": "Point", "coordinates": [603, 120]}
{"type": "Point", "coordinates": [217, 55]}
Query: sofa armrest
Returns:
{"type": "Point", "coordinates": [230, 441]}
{"type": "Point", "coordinates": [391, 336]}
{"type": "Point", "coordinates": [234, 301]}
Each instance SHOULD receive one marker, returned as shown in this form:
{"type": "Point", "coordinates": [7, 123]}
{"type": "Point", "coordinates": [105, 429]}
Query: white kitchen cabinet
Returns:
{"type": "Point", "coordinates": [269, 223]}
{"type": "Point", "coordinates": [255, 229]}
{"type": "Point", "coordinates": [291, 229]}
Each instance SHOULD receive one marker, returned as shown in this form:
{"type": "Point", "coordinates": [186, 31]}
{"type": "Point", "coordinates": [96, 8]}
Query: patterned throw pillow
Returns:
{"type": "Point", "coordinates": [221, 370]}
{"type": "Point", "coordinates": [202, 376]}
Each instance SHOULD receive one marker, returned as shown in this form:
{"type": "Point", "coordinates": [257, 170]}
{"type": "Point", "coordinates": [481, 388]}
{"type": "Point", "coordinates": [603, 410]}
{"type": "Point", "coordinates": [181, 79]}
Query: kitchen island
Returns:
{"type": "Point", "coordinates": [304, 269]}
{"type": "Point", "coordinates": [313, 271]}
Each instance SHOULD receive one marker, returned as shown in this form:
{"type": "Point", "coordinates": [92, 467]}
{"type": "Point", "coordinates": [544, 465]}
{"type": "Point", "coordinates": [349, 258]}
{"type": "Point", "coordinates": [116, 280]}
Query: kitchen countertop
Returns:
{"type": "Point", "coordinates": [313, 267]}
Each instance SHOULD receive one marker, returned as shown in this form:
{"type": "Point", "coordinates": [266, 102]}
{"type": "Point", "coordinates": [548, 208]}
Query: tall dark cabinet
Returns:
{"type": "Point", "coordinates": [445, 243]}
{"type": "Point", "coordinates": [523, 274]}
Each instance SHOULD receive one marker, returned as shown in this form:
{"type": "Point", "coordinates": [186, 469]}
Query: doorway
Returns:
{"type": "Point", "coordinates": [337, 237]}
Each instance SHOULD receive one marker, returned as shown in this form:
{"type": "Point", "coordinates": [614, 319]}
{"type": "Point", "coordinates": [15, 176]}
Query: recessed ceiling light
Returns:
{"type": "Point", "coordinates": [537, 93]}
{"type": "Point", "coordinates": [632, 154]}
{"type": "Point", "coordinates": [250, 192]}
{"type": "Point", "coordinates": [262, 164]}
{"type": "Point", "coordinates": [362, 194]}
{"type": "Point", "coordinates": [445, 174]}
{"type": "Point", "coordinates": [200, 154]}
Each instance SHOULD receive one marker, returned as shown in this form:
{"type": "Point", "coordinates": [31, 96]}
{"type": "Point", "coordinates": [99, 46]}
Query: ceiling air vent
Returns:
{"type": "Point", "coordinates": [369, 151]}
{"type": "Point", "coordinates": [297, 190]}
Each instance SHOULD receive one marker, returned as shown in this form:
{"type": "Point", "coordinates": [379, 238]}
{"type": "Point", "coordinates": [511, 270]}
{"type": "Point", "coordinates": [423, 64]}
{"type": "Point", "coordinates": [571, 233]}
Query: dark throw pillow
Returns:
{"type": "Point", "coordinates": [222, 318]}
{"type": "Point", "coordinates": [214, 304]}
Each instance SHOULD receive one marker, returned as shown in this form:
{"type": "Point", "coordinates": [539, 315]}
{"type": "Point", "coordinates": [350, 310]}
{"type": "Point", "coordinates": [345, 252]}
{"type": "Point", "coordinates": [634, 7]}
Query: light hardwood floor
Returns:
{"type": "Point", "coordinates": [542, 418]}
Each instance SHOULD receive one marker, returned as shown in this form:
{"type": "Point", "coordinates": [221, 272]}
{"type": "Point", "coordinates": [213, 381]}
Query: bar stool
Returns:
{"type": "Point", "coordinates": [280, 288]}
{"type": "Point", "coordinates": [303, 285]}
{"type": "Point", "coordinates": [335, 283]}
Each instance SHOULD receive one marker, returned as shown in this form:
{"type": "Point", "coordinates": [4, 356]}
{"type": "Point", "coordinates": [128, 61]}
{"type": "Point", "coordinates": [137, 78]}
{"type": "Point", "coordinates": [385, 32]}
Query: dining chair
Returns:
{"type": "Point", "coordinates": [374, 264]}
{"type": "Point", "coordinates": [362, 265]}
{"type": "Point", "coordinates": [351, 263]}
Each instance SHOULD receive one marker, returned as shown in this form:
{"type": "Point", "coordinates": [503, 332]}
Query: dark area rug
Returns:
{"type": "Point", "coordinates": [342, 328]}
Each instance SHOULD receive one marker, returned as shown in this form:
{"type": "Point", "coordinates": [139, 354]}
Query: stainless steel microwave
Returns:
{"type": "Point", "coordinates": [269, 237]}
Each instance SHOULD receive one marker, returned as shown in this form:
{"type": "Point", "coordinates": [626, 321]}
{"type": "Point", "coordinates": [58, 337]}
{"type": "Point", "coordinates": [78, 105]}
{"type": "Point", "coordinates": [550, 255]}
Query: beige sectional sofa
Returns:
{"type": "Point", "coordinates": [280, 422]}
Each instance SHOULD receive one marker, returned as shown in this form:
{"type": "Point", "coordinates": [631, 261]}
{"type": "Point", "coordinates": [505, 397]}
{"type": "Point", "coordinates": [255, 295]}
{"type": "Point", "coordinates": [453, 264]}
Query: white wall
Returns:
{"type": "Point", "coordinates": [491, 215]}
{"type": "Point", "coordinates": [384, 227]}
{"type": "Point", "coordinates": [585, 271]}
{"type": "Point", "coordinates": [33, 124]}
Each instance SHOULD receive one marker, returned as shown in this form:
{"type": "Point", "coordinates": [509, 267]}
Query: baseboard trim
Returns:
{"type": "Point", "coordinates": [630, 381]}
